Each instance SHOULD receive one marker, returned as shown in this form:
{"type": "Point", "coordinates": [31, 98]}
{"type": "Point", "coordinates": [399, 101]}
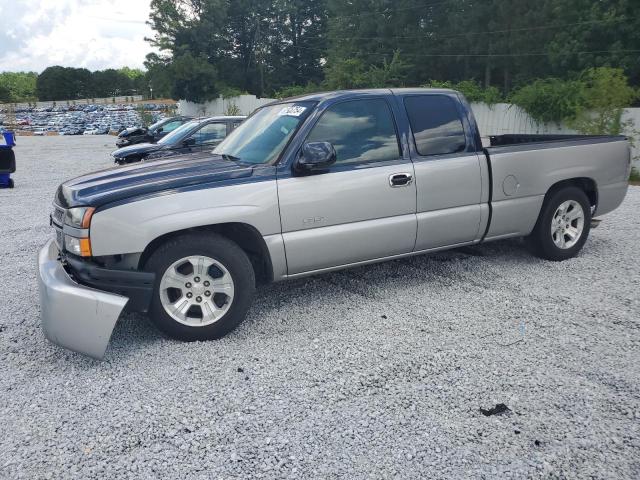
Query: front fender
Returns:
{"type": "Point", "coordinates": [129, 227]}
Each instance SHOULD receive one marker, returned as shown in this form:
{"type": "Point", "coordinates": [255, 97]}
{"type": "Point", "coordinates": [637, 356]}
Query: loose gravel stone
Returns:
{"type": "Point", "coordinates": [375, 372]}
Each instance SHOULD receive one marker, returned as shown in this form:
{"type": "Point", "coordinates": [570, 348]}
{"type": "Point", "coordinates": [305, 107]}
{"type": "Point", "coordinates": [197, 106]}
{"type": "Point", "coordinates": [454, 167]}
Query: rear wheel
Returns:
{"type": "Point", "coordinates": [563, 225]}
{"type": "Point", "coordinates": [203, 289]}
{"type": "Point", "coordinates": [11, 184]}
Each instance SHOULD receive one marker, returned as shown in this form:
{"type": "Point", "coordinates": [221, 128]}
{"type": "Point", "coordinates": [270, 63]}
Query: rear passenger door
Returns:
{"type": "Point", "coordinates": [352, 212]}
{"type": "Point", "coordinates": [448, 173]}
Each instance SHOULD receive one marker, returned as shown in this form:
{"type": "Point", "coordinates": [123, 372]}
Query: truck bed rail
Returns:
{"type": "Point", "coordinates": [515, 139]}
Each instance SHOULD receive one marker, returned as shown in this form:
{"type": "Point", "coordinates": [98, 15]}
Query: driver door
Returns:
{"type": "Point", "coordinates": [364, 206]}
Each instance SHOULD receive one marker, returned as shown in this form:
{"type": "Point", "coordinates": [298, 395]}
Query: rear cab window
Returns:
{"type": "Point", "coordinates": [436, 124]}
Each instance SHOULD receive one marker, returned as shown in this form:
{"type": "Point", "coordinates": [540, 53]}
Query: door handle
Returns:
{"type": "Point", "coordinates": [400, 180]}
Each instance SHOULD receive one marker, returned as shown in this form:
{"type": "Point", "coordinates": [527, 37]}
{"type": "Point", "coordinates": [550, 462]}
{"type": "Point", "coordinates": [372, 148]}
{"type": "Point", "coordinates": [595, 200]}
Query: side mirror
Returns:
{"type": "Point", "coordinates": [315, 156]}
{"type": "Point", "coordinates": [189, 142]}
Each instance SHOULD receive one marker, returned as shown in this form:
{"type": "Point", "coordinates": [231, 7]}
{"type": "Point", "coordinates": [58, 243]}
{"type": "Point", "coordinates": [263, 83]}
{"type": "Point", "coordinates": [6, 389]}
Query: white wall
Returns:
{"type": "Point", "coordinates": [503, 118]}
{"type": "Point", "coordinates": [246, 104]}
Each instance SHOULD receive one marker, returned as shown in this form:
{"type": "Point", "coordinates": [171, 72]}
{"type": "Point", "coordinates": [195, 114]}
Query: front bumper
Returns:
{"type": "Point", "coordinates": [73, 316]}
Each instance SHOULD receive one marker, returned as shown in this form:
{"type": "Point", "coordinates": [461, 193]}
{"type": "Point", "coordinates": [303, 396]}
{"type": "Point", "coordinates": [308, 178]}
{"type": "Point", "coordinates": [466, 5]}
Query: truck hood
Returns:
{"type": "Point", "coordinates": [114, 184]}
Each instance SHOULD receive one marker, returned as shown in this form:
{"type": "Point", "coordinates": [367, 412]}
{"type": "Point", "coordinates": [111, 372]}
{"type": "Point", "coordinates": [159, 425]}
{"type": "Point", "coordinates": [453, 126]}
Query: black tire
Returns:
{"type": "Point", "coordinates": [541, 242]}
{"type": "Point", "coordinates": [219, 248]}
{"type": "Point", "coordinates": [11, 184]}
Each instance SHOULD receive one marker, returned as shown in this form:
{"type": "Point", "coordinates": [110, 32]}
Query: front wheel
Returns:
{"type": "Point", "coordinates": [563, 225]}
{"type": "Point", "coordinates": [203, 288]}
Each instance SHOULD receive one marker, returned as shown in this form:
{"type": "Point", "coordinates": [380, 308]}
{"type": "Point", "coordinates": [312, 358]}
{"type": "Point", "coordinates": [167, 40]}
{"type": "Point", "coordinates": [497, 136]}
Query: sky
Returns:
{"type": "Point", "coordinates": [94, 34]}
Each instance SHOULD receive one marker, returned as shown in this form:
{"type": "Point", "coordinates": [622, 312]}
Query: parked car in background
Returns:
{"type": "Point", "coordinates": [309, 185]}
{"type": "Point", "coordinates": [191, 137]}
{"type": "Point", "coordinates": [82, 117]}
{"type": "Point", "coordinates": [134, 135]}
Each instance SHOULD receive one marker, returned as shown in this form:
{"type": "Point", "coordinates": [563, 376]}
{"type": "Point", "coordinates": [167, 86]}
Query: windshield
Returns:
{"type": "Point", "coordinates": [158, 124]}
{"type": "Point", "coordinates": [177, 134]}
{"type": "Point", "coordinates": [262, 137]}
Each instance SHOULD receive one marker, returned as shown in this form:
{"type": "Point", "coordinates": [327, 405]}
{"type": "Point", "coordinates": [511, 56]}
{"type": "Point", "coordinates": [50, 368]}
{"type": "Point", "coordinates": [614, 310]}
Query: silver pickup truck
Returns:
{"type": "Point", "coordinates": [304, 186]}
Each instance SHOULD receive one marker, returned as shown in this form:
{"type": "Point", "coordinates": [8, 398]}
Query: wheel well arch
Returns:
{"type": "Point", "coordinates": [246, 236]}
{"type": "Point", "coordinates": [586, 184]}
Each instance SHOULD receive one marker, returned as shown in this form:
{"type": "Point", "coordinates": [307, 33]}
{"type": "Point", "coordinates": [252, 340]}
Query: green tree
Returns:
{"type": "Point", "coordinates": [354, 73]}
{"type": "Point", "coordinates": [610, 29]}
{"type": "Point", "coordinates": [194, 79]}
{"type": "Point", "coordinates": [263, 46]}
{"type": "Point", "coordinates": [256, 46]}
{"type": "Point", "coordinates": [110, 82]}
{"type": "Point", "coordinates": [550, 99]}
{"type": "Point", "coordinates": [5, 94]}
{"type": "Point", "coordinates": [61, 83]}
{"type": "Point", "coordinates": [18, 86]}
{"type": "Point", "coordinates": [606, 92]}
{"type": "Point", "coordinates": [158, 77]}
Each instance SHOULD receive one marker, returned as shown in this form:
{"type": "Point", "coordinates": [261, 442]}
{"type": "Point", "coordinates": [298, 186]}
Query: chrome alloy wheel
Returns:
{"type": "Point", "coordinates": [196, 291]}
{"type": "Point", "coordinates": [567, 224]}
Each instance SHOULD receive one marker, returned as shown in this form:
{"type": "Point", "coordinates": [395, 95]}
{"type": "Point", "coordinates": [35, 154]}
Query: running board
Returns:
{"type": "Point", "coordinates": [595, 222]}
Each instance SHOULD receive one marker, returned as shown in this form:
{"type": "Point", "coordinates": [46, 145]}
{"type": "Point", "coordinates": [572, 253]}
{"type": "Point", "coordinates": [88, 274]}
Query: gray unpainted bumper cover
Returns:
{"type": "Point", "coordinates": [74, 316]}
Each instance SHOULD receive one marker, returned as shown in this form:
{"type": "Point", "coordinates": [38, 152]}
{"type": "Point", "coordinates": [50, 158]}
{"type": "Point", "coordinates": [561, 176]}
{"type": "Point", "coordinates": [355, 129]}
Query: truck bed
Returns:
{"type": "Point", "coordinates": [517, 139]}
{"type": "Point", "coordinates": [523, 168]}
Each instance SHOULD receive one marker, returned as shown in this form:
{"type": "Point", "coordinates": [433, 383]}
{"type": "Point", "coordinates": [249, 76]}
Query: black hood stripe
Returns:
{"type": "Point", "coordinates": [115, 184]}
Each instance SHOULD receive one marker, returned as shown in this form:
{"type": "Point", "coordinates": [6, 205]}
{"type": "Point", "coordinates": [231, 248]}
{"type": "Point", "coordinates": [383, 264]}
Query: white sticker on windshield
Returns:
{"type": "Point", "coordinates": [292, 111]}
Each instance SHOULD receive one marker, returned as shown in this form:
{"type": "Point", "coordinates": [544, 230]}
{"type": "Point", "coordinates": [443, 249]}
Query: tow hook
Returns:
{"type": "Point", "coordinates": [595, 222]}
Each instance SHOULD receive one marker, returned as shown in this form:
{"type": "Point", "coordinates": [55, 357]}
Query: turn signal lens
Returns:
{"type": "Point", "coordinates": [85, 247]}
{"type": "Point", "coordinates": [86, 218]}
{"type": "Point", "coordinates": [77, 246]}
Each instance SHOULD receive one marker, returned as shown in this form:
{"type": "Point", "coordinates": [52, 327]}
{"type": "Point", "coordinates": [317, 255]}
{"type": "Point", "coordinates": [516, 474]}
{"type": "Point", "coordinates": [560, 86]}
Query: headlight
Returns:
{"type": "Point", "coordinates": [77, 246]}
{"type": "Point", "coordinates": [79, 217]}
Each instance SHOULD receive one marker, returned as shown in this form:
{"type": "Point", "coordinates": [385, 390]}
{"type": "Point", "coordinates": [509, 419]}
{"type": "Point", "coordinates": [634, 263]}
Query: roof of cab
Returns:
{"type": "Point", "coordinates": [218, 118]}
{"type": "Point", "coordinates": [320, 96]}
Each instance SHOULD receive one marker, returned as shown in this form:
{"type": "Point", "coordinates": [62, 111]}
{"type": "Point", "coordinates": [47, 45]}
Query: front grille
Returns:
{"type": "Point", "coordinates": [59, 240]}
{"type": "Point", "coordinates": [57, 222]}
{"type": "Point", "coordinates": [58, 215]}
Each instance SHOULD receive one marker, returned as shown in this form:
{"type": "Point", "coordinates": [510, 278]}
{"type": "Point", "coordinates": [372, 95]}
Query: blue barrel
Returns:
{"type": "Point", "coordinates": [7, 139]}
{"type": "Point", "coordinates": [7, 158]}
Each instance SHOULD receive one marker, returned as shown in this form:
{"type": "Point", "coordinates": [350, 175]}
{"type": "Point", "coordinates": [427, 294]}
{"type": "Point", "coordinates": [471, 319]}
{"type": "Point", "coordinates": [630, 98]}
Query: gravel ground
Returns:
{"type": "Point", "coordinates": [376, 372]}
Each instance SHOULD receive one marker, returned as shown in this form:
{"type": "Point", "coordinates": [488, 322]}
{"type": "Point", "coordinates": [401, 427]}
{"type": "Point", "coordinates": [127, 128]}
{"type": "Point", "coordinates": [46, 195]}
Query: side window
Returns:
{"type": "Point", "coordinates": [360, 131]}
{"type": "Point", "coordinates": [436, 125]}
{"type": "Point", "coordinates": [171, 126]}
{"type": "Point", "coordinates": [210, 133]}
